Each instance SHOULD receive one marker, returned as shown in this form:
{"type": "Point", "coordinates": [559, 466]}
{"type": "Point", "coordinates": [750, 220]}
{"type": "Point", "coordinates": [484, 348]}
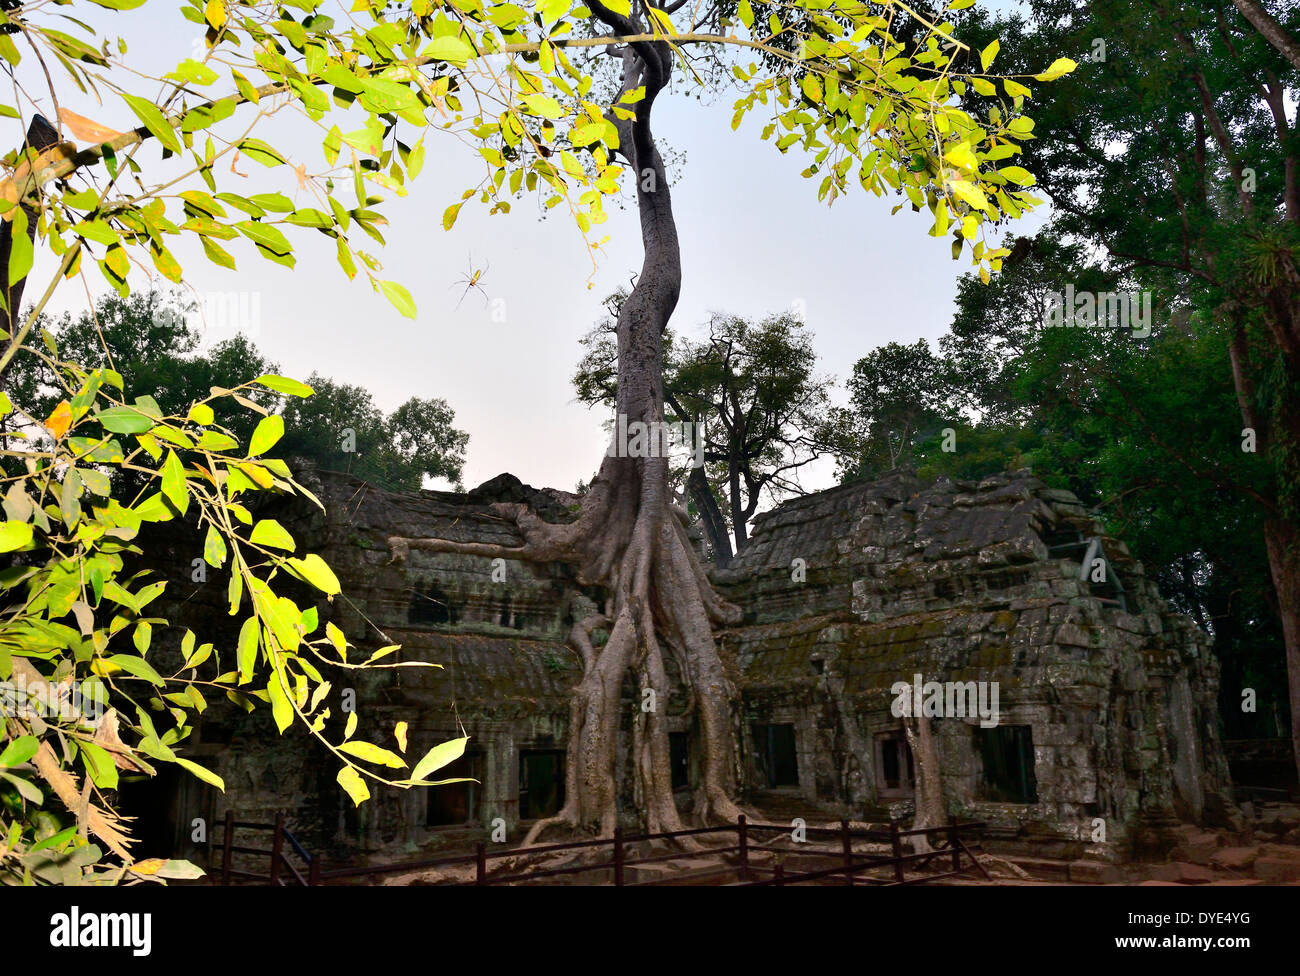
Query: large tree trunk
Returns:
{"type": "Point", "coordinates": [1281, 534]}
{"type": "Point", "coordinates": [631, 541]}
{"type": "Point", "coordinates": [931, 809]}
{"type": "Point", "coordinates": [1273, 32]}
{"type": "Point", "coordinates": [715, 526]}
{"type": "Point", "coordinates": [1284, 562]}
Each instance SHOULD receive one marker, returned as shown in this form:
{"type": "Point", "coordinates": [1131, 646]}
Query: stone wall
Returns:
{"type": "Point", "coordinates": [966, 582]}
{"type": "Point", "coordinates": [844, 593]}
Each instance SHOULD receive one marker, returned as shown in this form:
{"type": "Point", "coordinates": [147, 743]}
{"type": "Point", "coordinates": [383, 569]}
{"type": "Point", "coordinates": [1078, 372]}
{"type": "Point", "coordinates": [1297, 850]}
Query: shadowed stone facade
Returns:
{"type": "Point", "coordinates": [1109, 697]}
{"type": "Point", "coordinates": [965, 582]}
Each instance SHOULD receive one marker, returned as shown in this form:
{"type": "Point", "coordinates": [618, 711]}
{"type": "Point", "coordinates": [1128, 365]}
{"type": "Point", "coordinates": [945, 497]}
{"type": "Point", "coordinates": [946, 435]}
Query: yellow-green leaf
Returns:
{"type": "Point", "coordinates": [989, 53]}
{"type": "Point", "coordinates": [372, 753]}
{"type": "Point", "coordinates": [440, 755]}
{"type": "Point", "coordinates": [269, 430]}
{"type": "Point", "coordinates": [354, 785]}
{"type": "Point", "coordinates": [1060, 67]}
{"type": "Point", "coordinates": [269, 532]}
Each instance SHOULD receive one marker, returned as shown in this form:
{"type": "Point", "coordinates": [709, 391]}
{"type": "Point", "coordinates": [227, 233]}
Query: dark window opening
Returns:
{"type": "Point", "coordinates": [455, 803]}
{"type": "Point", "coordinates": [1007, 757]}
{"type": "Point", "coordinates": [541, 783]}
{"type": "Point", "coordinates": [818, 666]}
{"type": "Point", "coordinates": [679, 758]}
{"type": "Point", "coordinates": [430, 606]}
{"type": "Point", "coordinates": [775, 751]}
{"type": "Point", "coordinates": [895, 773]}
{"type": "Point", "coordinates": [153, 802]}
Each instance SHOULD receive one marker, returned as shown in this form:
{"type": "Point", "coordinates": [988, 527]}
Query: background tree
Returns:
{"type": "Point", "coordinates": [151, 340]}
{"type": "Point", "coordinates": [341, 429]}
{"type": "Point", "coordinates": [750, 393]}
{"type": "Point", "coordinates": [1172, 153]}
{"type": "Point", "coordinates": [896, 399]}
{"type": "Point", "coordinates": [148, 340]}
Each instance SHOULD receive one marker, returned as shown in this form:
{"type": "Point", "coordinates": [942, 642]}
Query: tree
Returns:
{"type": "Point", "coordinates": [1094, 411]}
{"type": "Point", "coordinates": [340, 427]}
{"type": "Point", "coordinates": [750, 404]}
{"type": "Point", "coordinates": [853, 95]}
{"type": "Point", "coordinates": [1173, 154]}
{"type": "Point", "coordinates": [896, 398]}
{"type": "Point", "coordinates": [149, 342]}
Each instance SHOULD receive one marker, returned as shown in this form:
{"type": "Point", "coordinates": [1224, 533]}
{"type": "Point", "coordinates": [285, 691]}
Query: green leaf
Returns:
{"type": "Point", "coordinates": [452, 49]}
{"type": "Point", "coordinates": [265, 235]}
{"type": "Point", "coordinates": [21, 255]}
{"type": "Point", "coordinates": [989, 53]}
{"type": "Point", "coordinates": [153, 119]}
{"type": "Point", "coordinates": [209, 777]}
{"type": "Point", "coordinates": [281, 709]}
{"type": "Point", "coordinates": [20, 750]}
{"type": "Point", "coordinates": [29, 791]}
{"type": "Point", "coordinates": [399, 297]}
{"type": "Point", "coordinates": [543, 105]}
{"type": "Point", "coordinates": [174, 870]}
{"type": "Point", "coordinates": [283, 384]}
{"type": "Point", "coordinates": [214, 548]}
{"type": "Point", "coordinates": [201, 414]}
{"type": "Point", "coordinates": [124, 420]}
{"type": "Point", "coordinates": [1060, 67]}
{"type": "Point", "coordinates": [137, 666]}
{"type": "Point", "coordinates": [246, 652]}
{"type": "Point", "coordinates": [210, 440]}
{"type": "Point", "coordinates": [99, 765]}
{"type": "Point", "coordinates": [354, 785]}
{"type": "Point", "coordinates": [316, 572]}
{"type": "Point", "coordinates": [269, 430]}
{"type": "Point", "coordinates": [142, 636]}
{"type": "Point", "coordinates": [439, 756]}
{"type": "Point", "coordinates": [14, 535]}
{"type": "Point", "coordinates": [269, 532]}
{"type": "Point", "coordinates": [260, 151]}
{"type": "Point", "coordinates": [174, 485]}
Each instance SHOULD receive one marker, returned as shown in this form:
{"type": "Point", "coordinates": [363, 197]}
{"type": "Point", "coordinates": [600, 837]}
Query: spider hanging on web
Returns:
{"type": "Point", "coordinates": [472, 280]}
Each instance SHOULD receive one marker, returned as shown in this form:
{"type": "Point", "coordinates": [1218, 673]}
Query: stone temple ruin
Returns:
{"type": "Point", "coordinates": [1107, 713]}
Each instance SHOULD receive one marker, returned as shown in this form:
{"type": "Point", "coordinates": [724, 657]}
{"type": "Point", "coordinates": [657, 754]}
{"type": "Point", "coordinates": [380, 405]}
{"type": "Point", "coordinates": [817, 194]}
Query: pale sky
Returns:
{"type": "Point", "coordinates": [754, 241]}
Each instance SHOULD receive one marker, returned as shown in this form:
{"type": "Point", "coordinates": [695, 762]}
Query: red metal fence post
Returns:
{"type": "Point", "coordinates": [225, 847]}
{"type": "Point", "coordinates": [480, 863]}
{"type": "Point", "coordinates": [778, 875]}
{"type": "Point", "coordinates": [313, 873]}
